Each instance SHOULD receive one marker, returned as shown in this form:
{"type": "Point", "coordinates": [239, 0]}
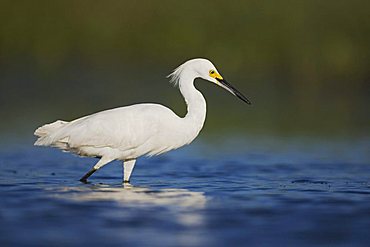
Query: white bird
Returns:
{"type": "Point", "coordinates": [126, 133]}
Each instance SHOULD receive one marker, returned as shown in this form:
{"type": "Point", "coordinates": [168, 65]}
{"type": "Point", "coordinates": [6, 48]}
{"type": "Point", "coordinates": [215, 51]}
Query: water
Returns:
{"type": "Point", "coordinates": [234, 193]}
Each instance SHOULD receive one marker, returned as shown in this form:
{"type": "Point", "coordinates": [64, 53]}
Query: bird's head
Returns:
{"type": "Point", "coordinates": [203, 68]}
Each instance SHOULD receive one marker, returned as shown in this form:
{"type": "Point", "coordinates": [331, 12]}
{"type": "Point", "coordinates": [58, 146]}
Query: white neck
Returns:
{"type": "Point", "coordinates": [195, 102]}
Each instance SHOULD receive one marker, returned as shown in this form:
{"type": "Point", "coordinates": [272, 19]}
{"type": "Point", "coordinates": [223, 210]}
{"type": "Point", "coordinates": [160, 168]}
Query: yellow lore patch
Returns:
{"type": "Point", "coordinates": [215, 75]}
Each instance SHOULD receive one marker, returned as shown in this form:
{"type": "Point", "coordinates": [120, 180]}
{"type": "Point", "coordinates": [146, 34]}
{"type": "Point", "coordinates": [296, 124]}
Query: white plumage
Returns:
{"type": "Point", "coordinates": [126, 133]}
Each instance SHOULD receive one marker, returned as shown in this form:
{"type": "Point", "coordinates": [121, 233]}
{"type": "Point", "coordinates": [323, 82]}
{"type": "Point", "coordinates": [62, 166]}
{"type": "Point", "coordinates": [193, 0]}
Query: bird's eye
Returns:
{"type": "Point", "coordinates": [211, 72]}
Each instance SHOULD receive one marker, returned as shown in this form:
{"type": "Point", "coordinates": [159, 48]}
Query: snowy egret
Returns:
{"type": "Point", "coordinates": [126, 133]}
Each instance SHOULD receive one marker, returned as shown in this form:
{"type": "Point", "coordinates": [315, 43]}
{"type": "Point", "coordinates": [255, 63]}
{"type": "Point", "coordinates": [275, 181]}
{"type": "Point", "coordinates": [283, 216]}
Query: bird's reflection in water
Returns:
{"type": "Point", "coordinates": [182, 204]}
{"type": "Point", "coordinates": [131, 195]}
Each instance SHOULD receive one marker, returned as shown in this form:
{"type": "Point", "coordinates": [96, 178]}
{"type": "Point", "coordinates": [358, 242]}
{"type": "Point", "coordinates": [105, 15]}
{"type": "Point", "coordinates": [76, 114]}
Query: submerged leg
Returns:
{"type": "Point", "coordinates": [102, 162]}
{"type": "Point", "coordinates": [128, 166]}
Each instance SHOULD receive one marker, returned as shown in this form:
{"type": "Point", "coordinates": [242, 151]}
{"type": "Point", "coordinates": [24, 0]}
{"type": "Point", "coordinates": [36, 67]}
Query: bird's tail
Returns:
{"type": "Point", "coordinates": [46, 130]}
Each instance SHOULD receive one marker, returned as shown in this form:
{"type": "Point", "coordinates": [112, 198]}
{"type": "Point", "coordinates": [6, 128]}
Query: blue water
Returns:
{"type": "Point", "coordinates": [227, 193]}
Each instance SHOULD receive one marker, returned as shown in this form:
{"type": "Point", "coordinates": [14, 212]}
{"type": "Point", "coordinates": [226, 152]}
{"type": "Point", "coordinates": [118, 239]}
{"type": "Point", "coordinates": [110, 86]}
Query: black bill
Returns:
{"type": "Point", "coordinates": [233, 90]}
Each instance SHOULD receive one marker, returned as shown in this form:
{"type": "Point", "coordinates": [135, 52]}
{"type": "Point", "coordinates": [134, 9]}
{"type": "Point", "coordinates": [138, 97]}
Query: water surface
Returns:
{"type": "Point", "coordinates": [231, 193]}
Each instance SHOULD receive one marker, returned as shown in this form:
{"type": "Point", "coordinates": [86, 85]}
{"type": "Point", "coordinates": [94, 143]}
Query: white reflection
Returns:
{"type": "Point", "coordinates": [130, 195]}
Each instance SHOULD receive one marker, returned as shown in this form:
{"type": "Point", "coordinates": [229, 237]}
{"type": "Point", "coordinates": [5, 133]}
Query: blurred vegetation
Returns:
{"type": "Point", "coordinates": [303, 63]}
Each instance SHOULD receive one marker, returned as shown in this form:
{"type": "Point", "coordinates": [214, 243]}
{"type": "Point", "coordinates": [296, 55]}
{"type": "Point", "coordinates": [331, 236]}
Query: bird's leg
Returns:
{"type": "Point", "coordinates": [128, 166]}
{"type": "Point", "coordinates": [87, 175]}
{"type": "Point", "coordinates": [102, 162]}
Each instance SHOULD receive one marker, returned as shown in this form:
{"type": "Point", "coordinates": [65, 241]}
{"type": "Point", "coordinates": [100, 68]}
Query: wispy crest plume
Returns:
{"type": "Point", "coordinates": [176, 74]}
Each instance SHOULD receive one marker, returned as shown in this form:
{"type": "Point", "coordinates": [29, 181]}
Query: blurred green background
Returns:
{"type": "Point", "coordinates": [303, 63]}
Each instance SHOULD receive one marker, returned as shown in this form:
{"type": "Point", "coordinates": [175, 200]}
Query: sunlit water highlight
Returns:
{"type": "Point", "coordinates": [262, 193]}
